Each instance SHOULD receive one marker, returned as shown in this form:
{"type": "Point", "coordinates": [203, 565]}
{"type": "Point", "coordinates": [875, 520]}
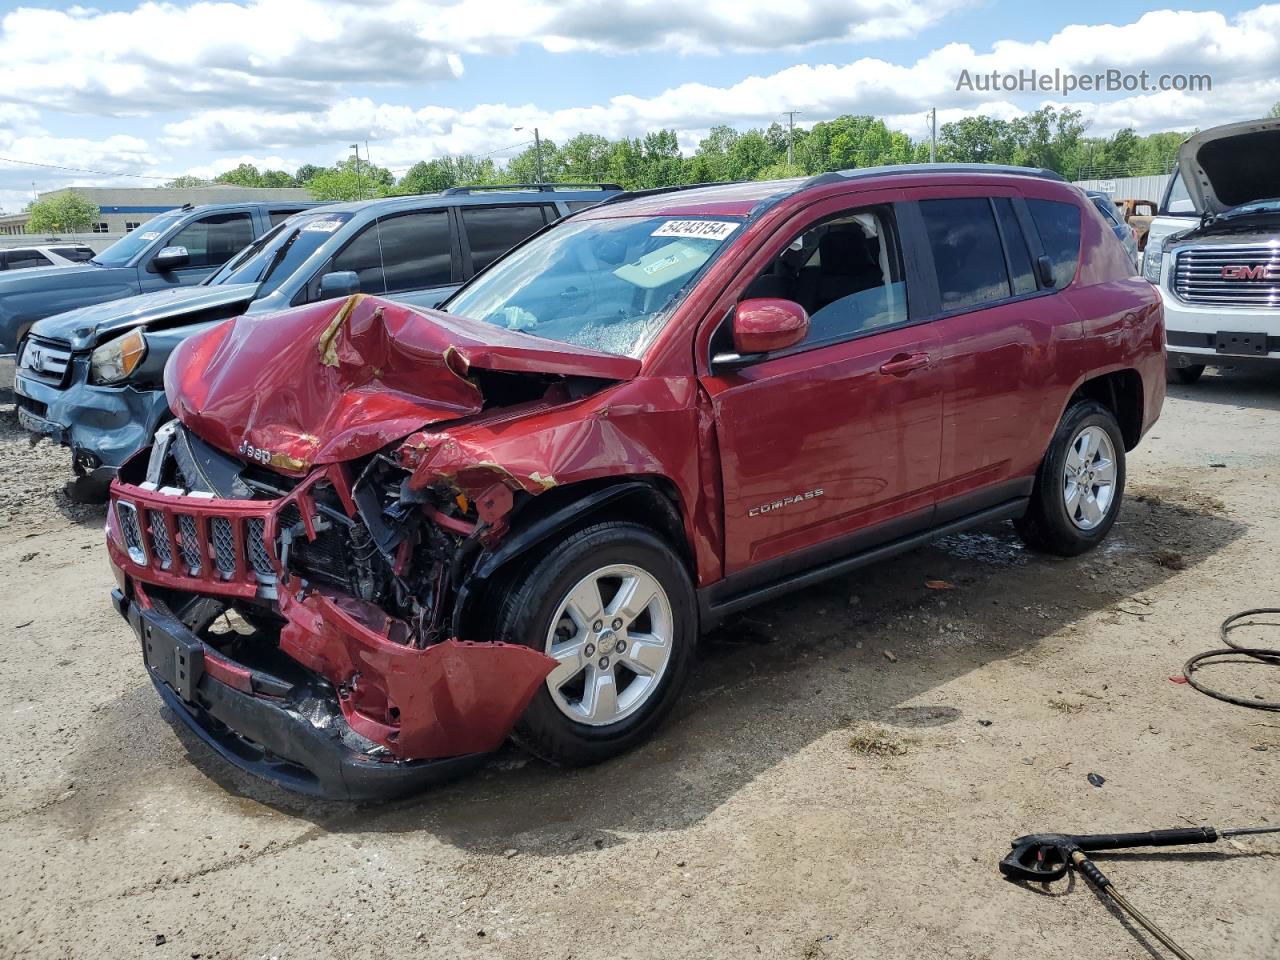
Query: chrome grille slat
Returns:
{"type": "Point", "coordinates": [224, 545]}
{"type": "Point", "coordinates": [160, 539]}
{"type": "Point", "coordinates": [189, 542]}
{"type": "Point", "coordinates": [1197, 275]}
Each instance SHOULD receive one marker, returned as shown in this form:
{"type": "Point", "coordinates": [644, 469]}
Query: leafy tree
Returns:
{"type": "Point", "coordinates": [585, 158]}
{"type": "Point", "coordinates": [977, 139]}
{"type": "Point", "coordinates": [336, 184]}
{"type": "Point", "coordinates": [428, 176]}
{"type": "Point", "coordinates": [277, 178]}
{"type": "Point", "coordinates": [378, 178]}
{"type": "Point", "coordinates": [245, 175]}
{"type": "Point", "coordinates": [63, 212]}
{"type": "Point", "coordinates": [187, 181]}
{"type": "Point", "coordinates": [305, 173]}
{"type": "Point", "coordinates": [780, 171]}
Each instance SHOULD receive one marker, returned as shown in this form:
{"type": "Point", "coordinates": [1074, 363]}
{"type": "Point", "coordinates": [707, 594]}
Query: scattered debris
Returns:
{"type": "Point", "coordinates": [1178, 679]}
{"type": "Point", "coordinates": [510, 852]}
{"type": "Point", "coordinates": [1170, 560]}
{"type": "Point", "coordinates": [890, 656]}
{"type": "Point", "coordinates": [878, 742]}
{"type": "Point", "coordinates": [21, 625]}
{"type": "Point", "coordinates": [160, 940]}
{"type": "Point", "coordinates": [1218, 466]}
{"type": "Point", "coordinates": [939, 585]}
{"type": "Point", "coordinates": [984, 723]}
{"type": "Point", "coordinates": [1029, 761]}
{"type": "Point", "coordinates": [1096, 779]}
{"type": "Point", "coordinates": [1066, 706]}
{"type": "Point", "coordinates": [29, 556]}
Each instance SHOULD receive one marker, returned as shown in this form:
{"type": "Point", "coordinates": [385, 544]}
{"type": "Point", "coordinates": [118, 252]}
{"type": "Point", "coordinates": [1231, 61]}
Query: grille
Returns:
{"type": "Point", "coordinates": [224, 545]}
{"type": "Point", "coordinates": [132, 531]}
{"type": "Point", "coordinates": [258, 557]}
{"type": "Point", "coordinates": [46, 360]}
{"type": "Point", "coordinates": [160, 539]}
{"type": "Point", "coordinates": [189, 542]}
{"type": "Point", "coordinates": [1244, 276]}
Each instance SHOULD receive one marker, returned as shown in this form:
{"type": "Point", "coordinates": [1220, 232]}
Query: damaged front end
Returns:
{"type": "Point", "coordinates": [299, 610]}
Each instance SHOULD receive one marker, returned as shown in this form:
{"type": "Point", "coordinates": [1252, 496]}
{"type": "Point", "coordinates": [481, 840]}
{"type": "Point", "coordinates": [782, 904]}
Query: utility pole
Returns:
{"type": "Point", "coordinates": [359, 178]}
{"type": "Point", "coordinates": [933, 135]}
{"type": "Point", "coordinates": [791, 135]}
{"type": "Point", "coordinates": [537, 154]}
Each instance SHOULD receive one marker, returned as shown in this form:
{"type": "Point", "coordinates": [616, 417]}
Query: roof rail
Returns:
{"type": "Point", "coordinates": [921, 168]}
{"type": "Point", "coordinates": [658, 191]}
{"type": "Point", "coordinates": [540, 187]}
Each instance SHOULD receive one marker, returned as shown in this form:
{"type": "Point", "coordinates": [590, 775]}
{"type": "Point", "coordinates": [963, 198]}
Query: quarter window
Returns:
{"type": "Point", "coordinates": [212, 241]}
{"type": "Point", "coordinates": [1059, 227]}
{"type": "Point", "coordinates": [1015, 246]}
{"type": "Point", "coordinates": [967, 257]}
{"type": "Point", "coordinates": [845, 271]}
{"type": "Point", "coordinates": [492, 231]}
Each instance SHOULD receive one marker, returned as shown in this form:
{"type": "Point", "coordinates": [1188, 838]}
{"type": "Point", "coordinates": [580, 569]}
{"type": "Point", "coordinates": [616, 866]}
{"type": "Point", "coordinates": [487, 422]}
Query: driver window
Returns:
{"type": "Point", "coordinates": [212, 241]}
{"type": "Point", "coordinates": [845, 271]}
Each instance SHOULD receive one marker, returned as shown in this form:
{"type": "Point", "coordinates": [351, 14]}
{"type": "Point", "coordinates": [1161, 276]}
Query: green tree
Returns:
{"type": "Point", "coordinates": [277, 178]}
{"type": "Point", "coordinates": [1275, 110]}
{"type": "Point", "coordinates": [187, 181]}
{"type": "Point", "coordinates": [305, 173]}
{"type": "Point", "coordinates": [335, 184]}
{"type": "Point", "coordinates": [978, 139]}
{"type": "Point", "coordinates": [428, 176]}
{"type": "Point", "coordinates": [780, 171]}
{"type": "Point", "coordinates": [65, 211]}
{"type": "Point", "coordinates": [585, 158]}
{"type": "Point", "coordinates": [245, 175]}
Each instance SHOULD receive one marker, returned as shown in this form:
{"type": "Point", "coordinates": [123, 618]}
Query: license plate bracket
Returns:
{"type": "Point", "coordinates": [1240, 344]}
{"type": "Point", "coordinates": [176, 659]}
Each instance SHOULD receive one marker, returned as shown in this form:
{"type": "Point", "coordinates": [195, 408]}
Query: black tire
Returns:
{"type": "Point", "coordinates": [1046, 526]}
{"type": "Point", "coordinates": [533, 596]}
{"type": "Point", "coordinates": [1184, 375]}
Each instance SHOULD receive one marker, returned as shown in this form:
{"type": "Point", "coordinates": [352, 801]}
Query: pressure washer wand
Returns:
{"type": "Point", "coordinates": [1042, 857]}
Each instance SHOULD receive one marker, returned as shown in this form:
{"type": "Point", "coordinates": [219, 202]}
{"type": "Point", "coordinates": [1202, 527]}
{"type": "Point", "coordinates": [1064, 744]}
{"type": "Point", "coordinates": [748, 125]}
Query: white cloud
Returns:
{"type": "Point", "coordinates": [1240, 54]}
{"type": "Point", "coordinates": [298, 53]}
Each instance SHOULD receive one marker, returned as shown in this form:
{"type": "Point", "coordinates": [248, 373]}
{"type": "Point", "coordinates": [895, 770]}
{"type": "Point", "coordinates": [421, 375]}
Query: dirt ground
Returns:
{"type": "Point", "coordinates": [847, 768]}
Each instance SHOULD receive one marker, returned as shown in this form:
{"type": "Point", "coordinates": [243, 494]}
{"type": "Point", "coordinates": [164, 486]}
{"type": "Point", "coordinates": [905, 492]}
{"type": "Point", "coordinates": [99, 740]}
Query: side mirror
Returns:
{"type": "Point", "coordinates": [768, 324]}
{"type": "Point", "coordinates": [340, 283]}
{"type": "Point", "coordinates": [170, 258]}
{"type": "Point", "coordinates": [1044, 267]}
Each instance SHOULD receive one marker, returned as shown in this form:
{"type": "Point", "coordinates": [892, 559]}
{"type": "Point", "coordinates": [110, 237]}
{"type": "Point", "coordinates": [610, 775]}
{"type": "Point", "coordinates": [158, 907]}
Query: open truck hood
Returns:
{"type": "Point", "coordinates": [1235, 163]}
{"type": "Point", "coordinates": [337, 380]}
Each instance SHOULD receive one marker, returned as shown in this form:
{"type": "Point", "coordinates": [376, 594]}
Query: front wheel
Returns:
{"type": "Point", "coordinates": [1079, 485]}
{"type": "Point", "coordinates": [614, 607]}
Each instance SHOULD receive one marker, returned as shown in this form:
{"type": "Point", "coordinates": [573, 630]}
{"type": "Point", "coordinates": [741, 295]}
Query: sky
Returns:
{"type": "Point", "coordinates": [141, 92]}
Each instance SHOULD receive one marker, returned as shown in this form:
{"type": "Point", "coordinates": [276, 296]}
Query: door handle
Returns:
{"type": "Point", "coordinates": [904, 363]}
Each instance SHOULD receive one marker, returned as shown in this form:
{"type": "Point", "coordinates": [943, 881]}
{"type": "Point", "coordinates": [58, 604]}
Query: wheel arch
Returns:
{"type": "Point", "coordinates": [649, 500]}
{"type": "Point", "coordinates": [1121, 392]}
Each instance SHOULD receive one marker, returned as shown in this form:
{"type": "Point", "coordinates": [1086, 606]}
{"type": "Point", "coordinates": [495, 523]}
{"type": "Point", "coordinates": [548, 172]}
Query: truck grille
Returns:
{"type": "Point", "coordinates": [45, 360]}
{"type": "Point", "coordinates": [1243, 276]}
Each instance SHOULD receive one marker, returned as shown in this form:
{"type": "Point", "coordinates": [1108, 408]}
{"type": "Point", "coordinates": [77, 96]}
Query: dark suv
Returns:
{"type": "Point", "coordinates": [93, 378]}
{"type": "Point", "coordinates": [433, 529]}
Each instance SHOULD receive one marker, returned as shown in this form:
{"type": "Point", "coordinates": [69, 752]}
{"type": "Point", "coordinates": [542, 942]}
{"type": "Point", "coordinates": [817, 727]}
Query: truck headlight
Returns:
{"type": "Point", "coordinates": [116, 359]}
{"type": "Point", "coordinates": [1152, 258]}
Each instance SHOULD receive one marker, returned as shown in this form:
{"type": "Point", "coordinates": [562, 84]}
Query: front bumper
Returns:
{"type": "Point", "coordinates": [103, 426]}
{"type": "Point", "coordinates": [282, 738]}
{"type": "Point", "coordinates": [1198, 334]}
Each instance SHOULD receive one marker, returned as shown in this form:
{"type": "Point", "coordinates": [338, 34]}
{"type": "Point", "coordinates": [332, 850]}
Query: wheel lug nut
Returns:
{"type": "Point", "coordinates": [620, 646]}
{"type": "Point", "coordinates": [604, 662]}
{"type": "Point", "coordinates": [590, 651]}
{"type": "Point", "coordinates": [598, 626]}
{"type": "Point", "coordinates": [617, 624]}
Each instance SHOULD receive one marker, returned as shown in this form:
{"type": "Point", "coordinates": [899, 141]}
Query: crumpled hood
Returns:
{"type": "Point", "coordinates": [87, 326]}
{"type": "Point", "coordinates": [1235, 163]}
{"type": "Point", "coordinates": [337, 380]}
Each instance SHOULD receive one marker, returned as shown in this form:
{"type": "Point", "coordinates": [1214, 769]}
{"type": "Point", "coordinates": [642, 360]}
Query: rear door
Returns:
{"type": "Point", "coordinates": [998, 329]}
{"type": "Point", "coordinates": [832, 446]}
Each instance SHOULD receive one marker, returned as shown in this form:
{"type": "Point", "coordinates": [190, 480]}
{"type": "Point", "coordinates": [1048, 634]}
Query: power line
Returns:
{"type": "Point", "coordinates": [100, 173]}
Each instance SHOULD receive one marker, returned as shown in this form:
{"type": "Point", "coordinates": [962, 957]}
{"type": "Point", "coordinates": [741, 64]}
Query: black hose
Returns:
{"type": "Point", "coordinates": [1261, 654]}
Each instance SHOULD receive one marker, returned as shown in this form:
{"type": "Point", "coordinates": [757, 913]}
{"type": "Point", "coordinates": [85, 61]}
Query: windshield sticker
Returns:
{"type": "Point", "coordinates": [151, 235]}
{"type": "Point", "coordinates": [696, 229]}
{"type": "Point", "coordinates": [668, 263]}
{"type": "Point", "coordinates": [322, 226]}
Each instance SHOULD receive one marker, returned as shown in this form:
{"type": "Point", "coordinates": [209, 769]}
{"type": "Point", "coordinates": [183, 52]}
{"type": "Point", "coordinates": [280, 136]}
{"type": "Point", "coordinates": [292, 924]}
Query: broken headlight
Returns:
{"type": "Point", "coordinates": [116, 359]}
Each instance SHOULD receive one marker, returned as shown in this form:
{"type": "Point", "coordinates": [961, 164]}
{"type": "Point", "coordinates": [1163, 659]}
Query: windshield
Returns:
{"type": "Point", "coordinates": [274, 256]}
{"type": "Point", "coordinates": [131, 244]}
{"type": "Point", "coordinates": [1256, 206]}
{"type": "Point", "coordinates": [605, 284]}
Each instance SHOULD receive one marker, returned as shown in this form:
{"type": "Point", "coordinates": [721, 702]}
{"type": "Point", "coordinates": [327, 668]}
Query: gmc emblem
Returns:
{"type": "Point", "coordinates": [1257, 272]}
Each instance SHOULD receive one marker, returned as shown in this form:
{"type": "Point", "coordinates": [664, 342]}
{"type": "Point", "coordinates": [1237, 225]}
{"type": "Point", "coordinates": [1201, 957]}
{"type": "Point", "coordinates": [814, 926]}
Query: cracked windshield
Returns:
{"type": "Point", "coordinates": [605, 284]}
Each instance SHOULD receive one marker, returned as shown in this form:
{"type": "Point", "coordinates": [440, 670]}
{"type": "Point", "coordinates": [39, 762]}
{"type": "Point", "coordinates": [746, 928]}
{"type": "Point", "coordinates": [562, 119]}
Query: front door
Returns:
{"type": "Point", "coordinates": [832, 446]}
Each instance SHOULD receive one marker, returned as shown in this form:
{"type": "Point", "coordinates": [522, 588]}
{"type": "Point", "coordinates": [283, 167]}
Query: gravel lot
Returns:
{"type": "Point", "coordinates": [847, 768]}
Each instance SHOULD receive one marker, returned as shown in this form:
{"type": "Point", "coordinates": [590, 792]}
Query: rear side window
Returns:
{"type": "Point", "coordinates": [492, 231]}
{"type": "Point", "coordinates": [416, 251]}
{"type": "Point", "coordinates": [966, 249]}
{"type": "Point", "coordinates": [1015, 247]}
{"type": "Point", "coordinates": [1059, 228]}
{"type": "Point", "coordinates": [580, 204]}
{"type": "Point", "coordinates": [21, 259]}
{"type": "Point", "coordinates": [77, 254]}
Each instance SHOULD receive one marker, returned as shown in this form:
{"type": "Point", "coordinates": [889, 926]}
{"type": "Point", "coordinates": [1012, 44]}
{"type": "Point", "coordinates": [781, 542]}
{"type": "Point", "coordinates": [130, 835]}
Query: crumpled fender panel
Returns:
{"type": "Point", "coordinates": [337, 380]}
{"type": "Point", "coordinates": [451, 698]}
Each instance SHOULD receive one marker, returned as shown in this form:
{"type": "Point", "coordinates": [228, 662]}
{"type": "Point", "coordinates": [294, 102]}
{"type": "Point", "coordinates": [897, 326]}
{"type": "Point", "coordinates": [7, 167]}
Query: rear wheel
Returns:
{"type": "Point", "coordinates": [1079, 485]}
{"type": "Point", "coordinates": [1187, 375]}
{"type": "Point", "coordinates": [614, 607]}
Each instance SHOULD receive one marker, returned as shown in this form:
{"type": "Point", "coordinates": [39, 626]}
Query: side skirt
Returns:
{"type": "Point", "coordinates": [713, 608]}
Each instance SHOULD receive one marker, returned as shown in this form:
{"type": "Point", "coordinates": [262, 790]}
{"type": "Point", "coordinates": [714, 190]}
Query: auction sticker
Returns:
{"type": "Point", "coordinates": [322, 226]}
{"type": "Point", "coordinates": [696, 229]}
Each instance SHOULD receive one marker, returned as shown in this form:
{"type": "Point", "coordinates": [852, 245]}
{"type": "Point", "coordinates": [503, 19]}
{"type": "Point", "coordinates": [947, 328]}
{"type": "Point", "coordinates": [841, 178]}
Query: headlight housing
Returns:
{"type": "Point", "coordinates": [116, 359]}
{"type": "Point", "coordinates": [1152, 258]}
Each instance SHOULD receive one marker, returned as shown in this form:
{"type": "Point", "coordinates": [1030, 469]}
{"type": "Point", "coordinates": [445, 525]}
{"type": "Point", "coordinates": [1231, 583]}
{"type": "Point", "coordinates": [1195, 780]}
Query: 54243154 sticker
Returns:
{"type": "Point", "coordinates": [696, 229]}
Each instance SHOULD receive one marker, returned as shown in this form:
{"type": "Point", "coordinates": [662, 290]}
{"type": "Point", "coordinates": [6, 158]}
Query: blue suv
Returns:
{"type": "Point", "coordinates": [93, 378]}
{"type": "Point", "coordinates": [175, 249]}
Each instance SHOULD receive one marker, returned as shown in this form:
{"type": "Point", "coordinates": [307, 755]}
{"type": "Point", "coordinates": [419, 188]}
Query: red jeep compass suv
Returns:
{"type": "Point", "coordinates": [378, 540]}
